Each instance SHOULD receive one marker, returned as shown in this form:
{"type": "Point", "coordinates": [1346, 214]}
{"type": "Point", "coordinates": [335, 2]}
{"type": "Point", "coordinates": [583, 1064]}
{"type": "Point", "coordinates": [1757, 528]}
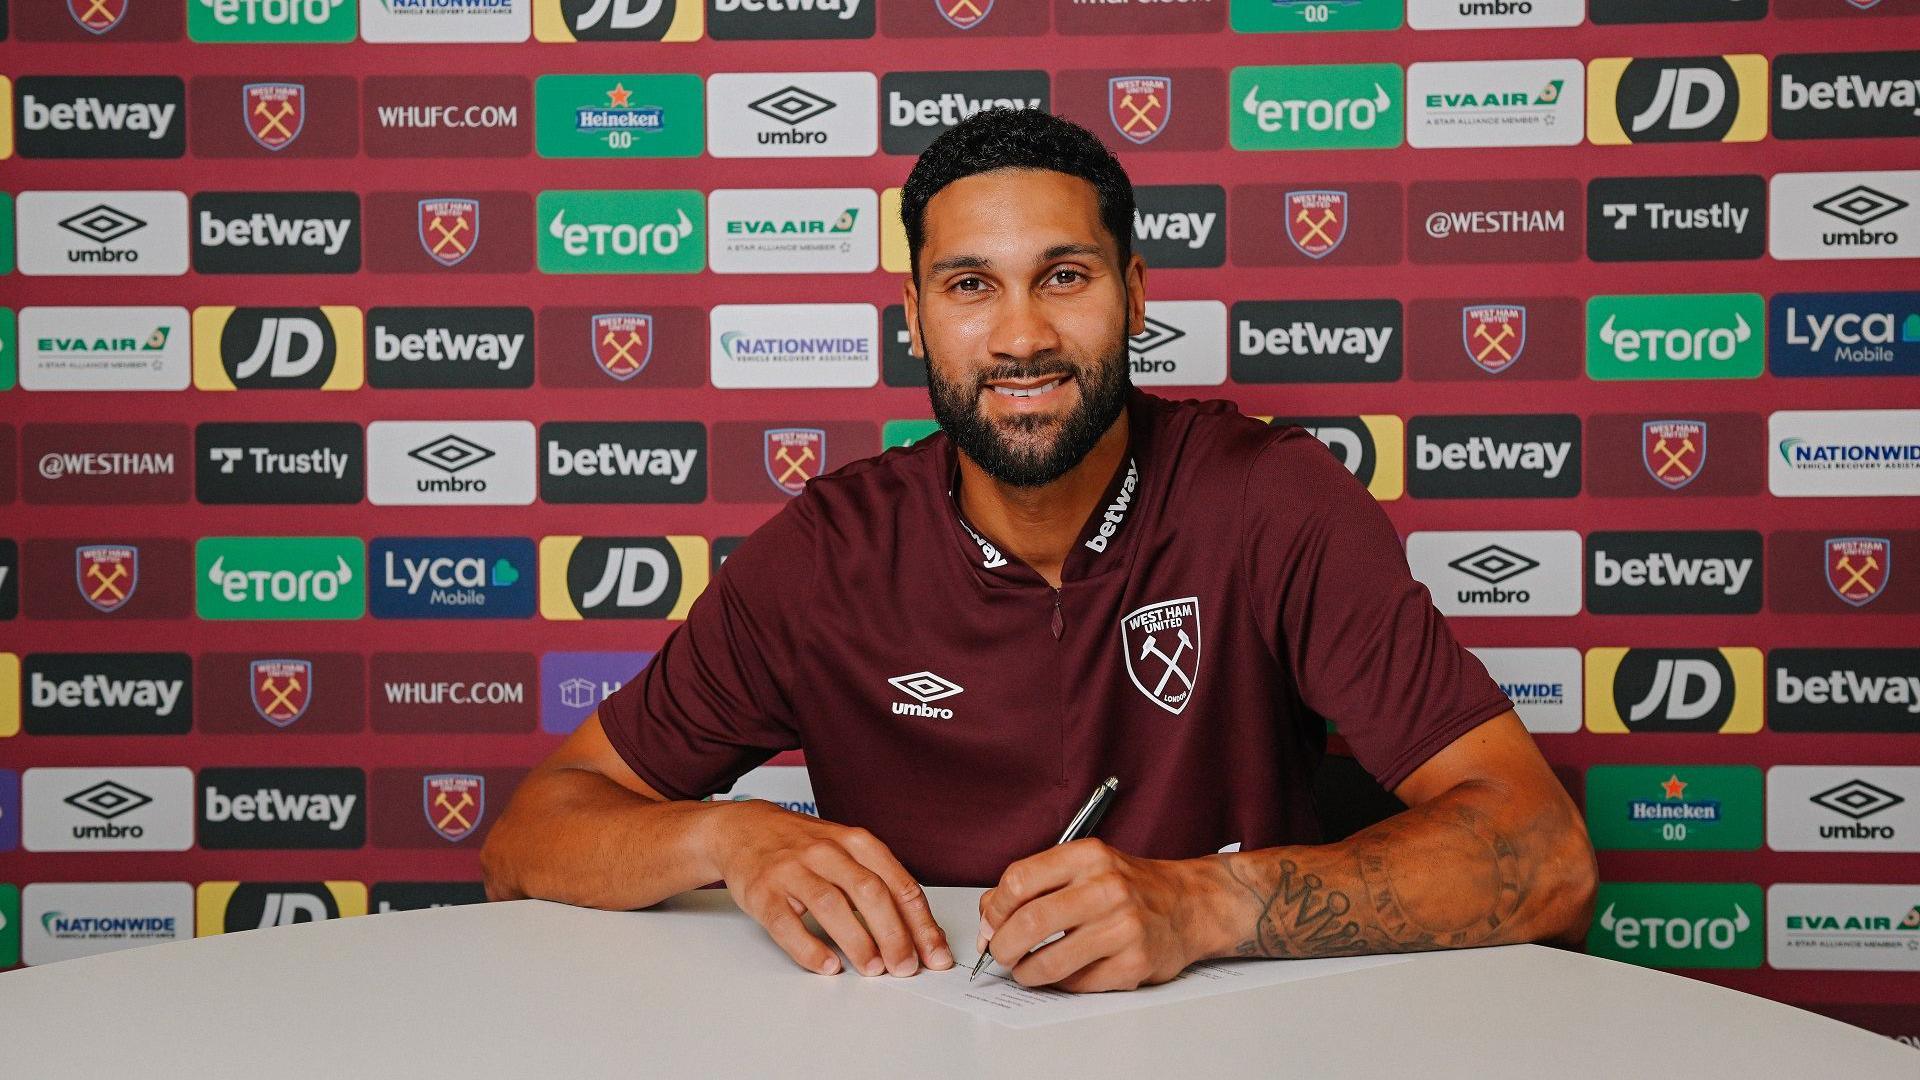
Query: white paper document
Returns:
{"type": "Point", "coordinates": [1004, 1001]}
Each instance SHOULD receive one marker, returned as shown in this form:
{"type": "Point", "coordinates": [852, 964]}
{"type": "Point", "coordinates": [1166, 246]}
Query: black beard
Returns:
{"type": "Point", "coordinates": [1019, 453]}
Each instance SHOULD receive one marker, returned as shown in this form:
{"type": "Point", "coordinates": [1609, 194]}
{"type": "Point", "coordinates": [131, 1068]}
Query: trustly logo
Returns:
{"type": "Point", "coordinates": [1668, 218]}
{"type": "Point", "coordinates": [1690, 336]}
{"type": "Point", "coordinates": [622, 232]}
{"type": "Point", "coordinates": [272, 21]}
{"type": "Point", "coordinates": [1674, 807]}
{"type": "Point", "coordinates": [1319, 107]}
{"type": "Point", "coordinates": [279, 463]}
{"type": "Point", "coordinates": [1679, 926]}
{"type": "Point", "coordinates": [625, 116]}
{"type": "Point", "coordinates": [1677, 99]}
{"type": "Point", "coordinates": [1822, 334]}
{"type": "Point", "coordinates": [1673, 690]}
{"type": "Point", "coordinates": [294, 577]}
{"type": "Point", "coordinates": [1858, 95]}
{"type": "Point", "coordinates": [93, 117]}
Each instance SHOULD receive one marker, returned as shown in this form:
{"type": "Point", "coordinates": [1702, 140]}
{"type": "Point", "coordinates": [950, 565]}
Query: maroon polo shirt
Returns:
{"type": "Point", "coordinates": [1234, 589]}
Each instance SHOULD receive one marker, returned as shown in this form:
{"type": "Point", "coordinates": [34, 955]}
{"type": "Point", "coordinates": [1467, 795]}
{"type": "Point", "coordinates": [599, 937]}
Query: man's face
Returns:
{"type": "Point", "coordinates": [1022, 313]}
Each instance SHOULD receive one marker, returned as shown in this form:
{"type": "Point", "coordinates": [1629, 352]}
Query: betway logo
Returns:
{"type": "Point", "coordinates": [272, 804]}
{"type": "Point", "coordinates": [281, 586]}
{"type": "Point", "coordinates": [1190, 227]}
{"type": "Point", "coordinates": [101, 692]}
{"type": "Point", "coordinates": [1117, 513]}
{"type": "Point", "coordinates": [947, 109]}
{"type": "Point", "coordinates": [615, 459]}
{"type": "Point", "coordinates": [439, 343]}
{"type": "Point", "coordinates": [1651, 931]}
{"type": "Point", "coordinates": [1481, 453]}
{"type": "Point", "coordinates": [842, 9]}
{"type": "Point", "coordinates": [272, 230]}
{"type": "Point", "coordinates": [620, 238]}
{"type": "Point", "coordinates": [1844, 687]}
{"type": "Point", "coordinates": [1662, 343]}
{"type": "Point", "coordinates": [1316, 114]}
{"type": "Point", "coordinates": [92, 114]}
{"type": "Point", "coordinates": [1662, 569]}
{"type": "Point", "coordinates": [1849, 92]}
{"type": "Point", "coordinates": [1311, 339]}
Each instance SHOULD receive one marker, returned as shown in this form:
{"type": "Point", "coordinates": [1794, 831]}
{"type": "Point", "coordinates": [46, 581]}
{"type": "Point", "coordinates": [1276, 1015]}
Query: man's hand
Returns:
{"type": "Point", "coordinates": [1124, 918]}
{"type": "Point", "coordinates": [781, 865]}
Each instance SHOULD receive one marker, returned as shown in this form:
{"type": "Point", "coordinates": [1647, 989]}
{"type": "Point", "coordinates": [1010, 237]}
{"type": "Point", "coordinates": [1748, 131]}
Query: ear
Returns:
{"type": "Point", "coordinates": [910, 298]}
{"type": "Point", "coordinates": [1136, 295]}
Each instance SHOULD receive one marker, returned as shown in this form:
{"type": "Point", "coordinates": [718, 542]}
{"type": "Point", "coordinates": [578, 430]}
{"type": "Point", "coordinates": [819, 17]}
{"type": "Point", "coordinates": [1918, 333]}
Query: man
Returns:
{"type": "Point", "coordinates": [1073, 580]}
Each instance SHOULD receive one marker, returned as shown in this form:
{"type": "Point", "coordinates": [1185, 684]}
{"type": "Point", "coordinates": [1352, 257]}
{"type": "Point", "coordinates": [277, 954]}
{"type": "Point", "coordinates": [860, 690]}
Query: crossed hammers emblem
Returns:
{"type": "Point", "coordinates": [1673, 457]}
{"type": "Point", "coordinates": [1856, 576]}
{"type": "Point", "coordinates": [1493, 343]}
{"type": "Point", "coordinates": [273, 125]}
{"type": "Point", "coordinates": [1150, 647]}
{"type": "Point", "coordinates": [281, 705]}
{"type": "Point", "coordinates": [622, 357]}
{"type": "Point", "coordinates": [449, 235]}
{"type": "Point", "coordinates": [794, 464]}
{"type": "Point", "coordinates": [96, 9]}
{"type": "Point", "coordinates": [455, 812]}
{"type": "Point", "coordinates": [105, 583]}
{"type": "Point", "coordinates": [954, 12]}
{"type": "Point", "coordinates": [1139, 117]}
{"type": "Point", "coordinates": [1317, 231]}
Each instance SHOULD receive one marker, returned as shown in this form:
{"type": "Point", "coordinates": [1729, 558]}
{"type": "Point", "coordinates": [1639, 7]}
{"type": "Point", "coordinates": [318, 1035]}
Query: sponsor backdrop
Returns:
{"type": "Point", "coordinates": [379, 384]}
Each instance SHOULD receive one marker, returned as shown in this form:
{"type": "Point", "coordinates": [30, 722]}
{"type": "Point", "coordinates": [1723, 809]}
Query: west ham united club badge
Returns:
{"type": "Point", "coordinates": [622, 344]}
{"type": "Point", "coordinates": [1161, 643]}
{"type": "Point", "coordinates": [281, 689]}
{"type": "Point", "coordinates": [275, 113]}
{"type": "Point", "coordinates": [1316, 221]}
{"type": "Point", "coordinates": [1858, 568]}
{"type": "Point", "coordinates": [454, 803]}
{"type": "Point", "coordinates": [1140, 106]}
{"type": "Point", "coordinates": [107, 574]}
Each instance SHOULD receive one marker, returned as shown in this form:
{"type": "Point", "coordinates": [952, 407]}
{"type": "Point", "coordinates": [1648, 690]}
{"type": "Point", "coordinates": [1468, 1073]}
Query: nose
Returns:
{"type": "Point", "coordinates": [1022, 330]}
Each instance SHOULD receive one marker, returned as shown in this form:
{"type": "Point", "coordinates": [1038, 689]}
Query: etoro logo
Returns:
{"type": "Point", "coordinates": [1667, 690]}
{"type": "Point", "coordinates": [297, 577]}
{"type": "Point", "coordinates": [924, 687]}
{"type": "Point", "coordinates": [622, 232]}
{"type": "Point", "coordinates": [1677, 99]}
{"type": "Point", "coordinates": [1322, 107]}
{"type": "Point", "coordinates": [272, 21]}
{"type": "Point", "coordinates": [1679, 926]}
{"type": "Point", "coordinates": [1697, 336]}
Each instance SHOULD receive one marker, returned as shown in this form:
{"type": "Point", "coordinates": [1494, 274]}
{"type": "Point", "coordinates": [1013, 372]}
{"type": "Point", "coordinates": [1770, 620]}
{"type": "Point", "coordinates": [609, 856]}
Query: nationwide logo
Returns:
{"type": "Point", "coordinates": [794, 345]}
{"type": "Point", "coordinates": [1843, 927]}
{"type": "Point", "coordinates": [793, 114]}
{"type": "Point", "coordinates": [274, 113]}
{"type": "Point", "coordinates": [794, 456]}
{"type": "Point", "coordinates": [1471, 221]}
{"type": "Point", "coordinates": [309, 577]}
{"type": "Point", "coordinates": [1677, 99]}
{"type": "Point", "coordinates": [1674, 451]}
{"type": "Point", "coordinates": [1369, 447]}
{"type": "Point", "coordinates": [1858, 567]}
{"type": "Point", "coordinates": [452, 578]}
{"type": "Point", "coordinates": [107, 694]}
{"type": "Point", "coordinates": [106, 574]}
{"type": "Point", "coordinates": [89, 117]}
{"type": "Point", "coordinates": [1673, 573]}
{"type": "Point", "coordinates": [1844, 452]}
{"type": "Point", "coordinates": [1679, 926]}
{"type": "Point", "coordinates": [1821, 690]}
{"type": "Point", "coordinates": [1543, 684]}
{"type": "Point", "coordinates": [1497, 103]}
{"type": "Point", "coordinates": [433, 21]}
{"type": "Point", "coordinates": [307, 232]}
{"type": "Point", "coordinates": [1140, 106]}
{"type": "Point", "coordinates": [1489, 14]}
{"type": "Point", "coordinates": [573, 684]}
{"type": "Point", "coordinates": [1322, 107]}
{"type": "Point", "coordinates": [104, 348]}
{"type": "Point", "coordinates": [1316, 221]}
{"type": "Point", "coordinates": [791, 20]}
{"type": "Point", "coordinates": [227, 907]}
{"type": "Point", "coordinates": [1842, 808]}
{"type": "Point", "coordinates": [1183, 343]}
{"type": "Point", "coordinates": [476, 693]}
{"type": "Point", "coordinates": [74, 464]}
{"type": "Point", "coordinates": [413, 116]}
{"type": "Point", "coordinates": [793, 231]}
{"type": "Point", "coordinates": [454, 803]}
{"type": "Point", "coordinates": [1179, 225]}
{"type": "Point", "coordinates": [616, 20]}
{"type": "Point", "coordinates": [1494, 335]}
{"type": "Point", "coordinates": [623, 462]}
{"type": "Point", "coordinates": [1669, 690]}
{"type": "Point", "coordinates": [1699, 336]}
{"type": "Point", "coordinates": [1458, 457]}
{"type": "Point", "coordinates": [925, 688]}
{"type": "Point", "coordinates": [1686, 808]}
{"type": "Point", "coordinates": [1498, 573]}
{"type": "Point", "coordinates": [271, 21]}
{"type": "Point", "coordinates": [622, 232]}
{"type": "Point", "coordinates": [280, 690]}
{"type": "Point", "coordinates": [618, 116]}
{"type": "Point", "coordinates": [621, 577]}
{"type": "Point", "coordinates": [622, 343]}
{"type": "Point", "coordinates": [417, 463]}
{"type": "Point", "coordinates": [1634, 219]}
{"type": "Point", "coordinates": [249, 808]}
{"type": "Point", "coordinates": [919, 105]}
{"type": "Point", "coordinates": [1293, 16]}
{"type": "Point", "coordinates": [1822, 334]}
{"type": "Point", "coordinates": [449, 229]}
{"type": "Point", "coordinates": [1856, 215]}
{"type": "Point", "coordinates": [102, 232]}
{"type": "Point", "coordinates": [1161, 645]}
{"type": "Point", "coordinates": [1613, 12]}
{"type": "Point", "coordinates": [1316, 341]}
{"type": "Point", "coordinates": [1861, 95]}
{"type": "Point", "coordinates": [311, 348]}
{"type": "Point", "coordinates": [439, 348]}
{"type": "Point", "coordinates": [66, 921]}
{"type": "Point", "coordinates": [106, 809]}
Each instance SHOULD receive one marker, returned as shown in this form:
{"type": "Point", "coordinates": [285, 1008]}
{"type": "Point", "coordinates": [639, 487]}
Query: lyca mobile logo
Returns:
{"type": "Point", "coordinates": [452, 578]}
{"type": "Point", "coordinates": [296, 577]}
{"type": "Point", "coordinates": [1324, 107]}
{"type": "Point", "coordinates": [1699, 336]}
{"type": "Point", "coordinates": [622, 232]}
{"type": "Point", "coordinates": [1844, 334]}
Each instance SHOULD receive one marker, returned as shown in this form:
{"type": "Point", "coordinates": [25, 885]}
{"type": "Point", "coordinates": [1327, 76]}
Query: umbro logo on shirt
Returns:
{"type": "Point", "coordinates": [924, 687]}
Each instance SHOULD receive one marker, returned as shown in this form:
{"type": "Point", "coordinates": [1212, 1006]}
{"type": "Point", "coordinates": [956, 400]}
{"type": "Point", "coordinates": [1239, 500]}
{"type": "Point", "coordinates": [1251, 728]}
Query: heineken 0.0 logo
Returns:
{"type": "Point", "coordinates": [1689, 336]}
{"type": "Point", "coordinates": [640, 116]}
{"type": "Point", "coordinates": [1679, 926]}
{"type": "Point", "coordinates": [1288, 16]}
{"type": "Point", "coordinates": [1322, 107]}
{"type": "Point", "coordinates": [622, 232]}
{"type": "Point", "coordinates": [280, 577]}
{"type": "Point", "coordinates": [1674, 807]}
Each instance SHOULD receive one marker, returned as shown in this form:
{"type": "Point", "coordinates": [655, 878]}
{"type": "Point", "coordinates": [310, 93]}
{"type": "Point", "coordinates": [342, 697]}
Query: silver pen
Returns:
{"type": "Point", "coordinates": [1079, 828]}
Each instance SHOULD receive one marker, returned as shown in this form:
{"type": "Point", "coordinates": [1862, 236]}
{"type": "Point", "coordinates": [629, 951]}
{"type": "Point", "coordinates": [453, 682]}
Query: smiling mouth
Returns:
{"type": "Point", "coordinates": [1028, 388]}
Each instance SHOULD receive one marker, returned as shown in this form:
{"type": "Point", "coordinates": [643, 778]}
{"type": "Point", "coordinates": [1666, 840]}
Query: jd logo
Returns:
{"type": "Point", "coordinates": [622, 344]}
{"type": "Point", "coordinates": [1858, 568]}
{"type": "Point", "coordinates": [280, 690]}
{"type": "Point", "coordinates": [1673, 450]}
{"type": "Point", "coordinates": [275, 113]}
{"type": "Point", "coordinates": [449, 229]}
{"type": "Point", "coordinates": [795, 456]}
{"type": "Point", "coordinates": [1678, 100]}
{"type": "Point", "coordinates": [1161, 644]}
{"type": "Point", "coordinates": [1316, 221]}
{"type": "Point", "coordinates": [106, 574]}
{"type": "Point", "coordinates": [454, 803]}
{"type": "Point", "coordinates": [621, 577]}
{"type": "Point", "coordinates": [257, 906]}
{"type": "Point", "coordinates": [1140, 106]}
{"type": "Point", "coordinates": [1695, 690]}
{"type": "Point", "coordinates": [1494, 335]}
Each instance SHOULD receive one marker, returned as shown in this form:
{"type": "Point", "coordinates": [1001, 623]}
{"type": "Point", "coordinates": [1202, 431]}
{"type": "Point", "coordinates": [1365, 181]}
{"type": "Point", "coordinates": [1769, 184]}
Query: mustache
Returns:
{"type": "Point", "coordinates": [1032, 369]}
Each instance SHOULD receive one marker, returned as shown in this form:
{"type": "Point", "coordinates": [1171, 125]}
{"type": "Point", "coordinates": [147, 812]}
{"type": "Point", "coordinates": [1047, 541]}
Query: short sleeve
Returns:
{"type": "Point", "coordinates": [714, 702]}
{"type": "Point", "coordinates": [1366, 647]}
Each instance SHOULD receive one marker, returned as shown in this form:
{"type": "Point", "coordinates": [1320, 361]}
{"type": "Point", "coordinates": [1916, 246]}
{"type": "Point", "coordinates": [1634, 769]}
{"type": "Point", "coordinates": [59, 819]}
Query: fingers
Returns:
{"type": "Point", "coordinates": [1034, 923]}
{"type": "Point", "coordinates": [885, 931]}
{"type": "Point", "coordinates": [781, 918]}
{"type": "Point", "coordinates": [829, 907]}
{"type": "Point", "coordinates": [1035, 876]}
{"type": "Point", "coordinates": [929, 941]}
{"type": "Point", "coordinates": [1098, 956]}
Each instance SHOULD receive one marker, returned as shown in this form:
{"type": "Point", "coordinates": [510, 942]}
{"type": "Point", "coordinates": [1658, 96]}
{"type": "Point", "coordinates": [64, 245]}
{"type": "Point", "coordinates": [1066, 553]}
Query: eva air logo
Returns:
{"type": "Point", "coordinates": [622, 232]}
{"type": "Point", "coordinates": [1326, 107]}
{"type": "Point", "coordinates": [795, 226]}
{"type": "Point", "coordinates": [1679, 926]}
{"type": "Point", "coordinates": [1698, 336]}
{"type": "Point", "coordinates": [1674, 807]}
{"type": "Point", "coordinates": [280, 577]}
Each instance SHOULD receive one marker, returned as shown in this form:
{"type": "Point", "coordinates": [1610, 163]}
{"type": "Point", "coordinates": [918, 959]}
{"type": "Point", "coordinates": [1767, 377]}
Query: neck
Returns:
{"type": "Point", "coordinates": [1038, 525]}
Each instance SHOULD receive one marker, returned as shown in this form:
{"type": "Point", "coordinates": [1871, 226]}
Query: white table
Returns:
{"type": "Point", "coordinates": [694, 988]}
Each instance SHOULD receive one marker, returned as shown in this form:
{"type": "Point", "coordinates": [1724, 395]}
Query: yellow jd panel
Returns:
{"type": "Point", "coordinates": [557, 554]}
{"type": "Point", "coordinates": [689, 21]}
{"type": "Point", "coordinates": [1603, 88]}
{"type": "Point", "coordinates": [348, 367]}
{"type": "Point", "coordinates": [274, 904]}
{"type": "Point", "coordinates": [1669, 690]}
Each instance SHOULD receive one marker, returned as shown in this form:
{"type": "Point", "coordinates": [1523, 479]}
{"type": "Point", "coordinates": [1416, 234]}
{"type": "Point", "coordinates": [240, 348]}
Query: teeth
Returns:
{"type": "Point", "coordinates": [1048, 388]}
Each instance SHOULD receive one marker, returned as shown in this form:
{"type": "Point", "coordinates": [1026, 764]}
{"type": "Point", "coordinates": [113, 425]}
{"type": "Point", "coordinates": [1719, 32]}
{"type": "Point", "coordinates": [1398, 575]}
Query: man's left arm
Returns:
{"type": "Point", "coordinates": [1490, 851]}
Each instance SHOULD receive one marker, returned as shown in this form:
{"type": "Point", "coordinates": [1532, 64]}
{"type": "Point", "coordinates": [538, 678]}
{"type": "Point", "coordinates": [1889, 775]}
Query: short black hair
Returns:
{"type": "Point", "coordinates": [1003, 138]}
